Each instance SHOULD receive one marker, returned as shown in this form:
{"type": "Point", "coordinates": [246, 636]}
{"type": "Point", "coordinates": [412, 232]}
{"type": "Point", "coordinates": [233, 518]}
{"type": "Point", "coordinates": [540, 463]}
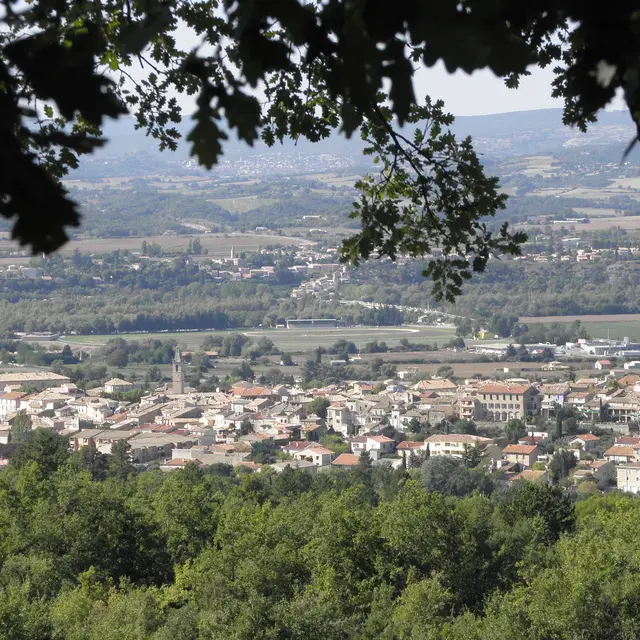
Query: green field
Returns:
{"type": "Point", "coordinates": [614, 330]}
{"type": "Point", "coordinates": [614, 326]}
{"type": "Point", "coordinates": [293, 340]}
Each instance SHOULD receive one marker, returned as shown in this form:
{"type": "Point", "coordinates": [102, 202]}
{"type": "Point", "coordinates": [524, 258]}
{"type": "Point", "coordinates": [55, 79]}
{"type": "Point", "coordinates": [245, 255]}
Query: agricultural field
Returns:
{"type": "Point", "coordinates": [614, 326]}
{"type": "Point", "coordinates": [214, 243]}
{"type": "Point", "coordinates": [628, 223]}
{"type": "Point", "coordinates": [291, 340]}
{"type": "Point", "coordinates": [242, 204]}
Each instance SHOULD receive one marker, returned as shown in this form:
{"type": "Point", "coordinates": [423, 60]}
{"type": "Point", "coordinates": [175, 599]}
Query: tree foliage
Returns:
{"type": "Point", "coordinates": [320, 67]}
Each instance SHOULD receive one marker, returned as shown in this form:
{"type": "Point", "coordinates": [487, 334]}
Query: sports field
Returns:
{"type": "Point", "coordinates": [291, 340]}
{"type": "Point", "coordinates": [614, 326]}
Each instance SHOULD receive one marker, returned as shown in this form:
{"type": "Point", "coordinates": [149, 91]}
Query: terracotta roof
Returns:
{"type": "Point", "coordinates": [587, 437]}
{"type": "Point", "coordinates": [320, 451]}
{"type": "Point", "coordinates": [346, 460]}
{"type": "Point", "coordinates": [457, 437]}
{"type": "Point", "coordinates": [380, 439]}
{"type": "Point", "coordinates": [408, 444]}
{"type": "Point", "coordinates": [504, 388]}
{"type": "Point", "coordinates": [298, 445]}
{"type": "Point", "coordinates": [12, 395]}
{"type": "Point", "coordinates": [617, 450]}
{"type": "Point", "coordinates": [525, 449]}
{"type": "Point", "coordinates": [627, 440]}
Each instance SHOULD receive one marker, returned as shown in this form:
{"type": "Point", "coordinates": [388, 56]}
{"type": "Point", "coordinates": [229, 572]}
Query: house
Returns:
{"type": "Point", "coordinates": [624, 408]}
{"type": "Point", "coordinates": [10, 402]}
{"type": "Point", "coordinates": [552, 395]}
{"type": "Point", "coordinates": [586, 441]}
{"type": "Point", "coordinates": [117, 385]}
{"type": "Point", "coordinates": [407, 446]}
{"type": "Point", "coordinates": [346, 461]}
{"type": "Point", "coordinates": [317, 455]}
{"type": "Point", "coordinates": [84, 438]}
{"type": "Point", "coordinates": [376, 445]}
{"type": "Point", "coordinates": [628, 477]}
{"type": "Point", "coordinates": [37, 379]}
{"type": "Point", "coordinates": [621, 454]}
{"type": "Point", "coordinates": [456, 444]}
{"type": "Point", "coordinates": [531, 475]}
{"type": "Point", "coordinates": [470, 408]}
{"type": "Point", "coordinates": [441, 387]}
{"type": "Point", "coordinates": [522, 454]}
{"type": "Point", "coordinates": [296, 465]}
{"type": "Point", "coordinates": [603, 365]}
{"type": "Point", "coordinates": [340, 419]}
{"type": "Point", "coordinates": [295, 447]}
{"type": "Point", "coordinates": [507, 401]}
{"type": "Point", "coordinates": [599, 470]}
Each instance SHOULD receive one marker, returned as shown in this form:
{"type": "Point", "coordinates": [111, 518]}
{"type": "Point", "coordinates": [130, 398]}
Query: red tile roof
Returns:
{"type": "Point", "coordinates": [346, 460]}
{"type": "Point", "coordinates": [517, 389]}
{"type": "Point", "coordinates": [525, 449]}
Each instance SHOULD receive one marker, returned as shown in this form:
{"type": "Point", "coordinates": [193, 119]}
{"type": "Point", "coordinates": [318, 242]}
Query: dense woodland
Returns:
{"type": "Point", "coordinates": [91, 549]}
{"type": "Point", "coordinates": [517, 288]}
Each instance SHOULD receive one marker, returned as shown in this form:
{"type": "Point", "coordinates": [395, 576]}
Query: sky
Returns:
{"type": "Point", "coordinates": [482, 93]}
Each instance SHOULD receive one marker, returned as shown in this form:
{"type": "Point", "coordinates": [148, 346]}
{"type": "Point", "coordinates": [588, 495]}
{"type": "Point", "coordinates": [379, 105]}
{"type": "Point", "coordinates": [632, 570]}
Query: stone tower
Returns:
{"type": "Point", "coordinates": [177, 373]}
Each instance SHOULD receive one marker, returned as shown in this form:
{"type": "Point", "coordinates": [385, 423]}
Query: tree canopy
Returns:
{"type": "Point", "coordinates": [294, 69]}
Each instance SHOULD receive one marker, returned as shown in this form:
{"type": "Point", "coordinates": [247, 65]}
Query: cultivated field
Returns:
{"type": "Point", "coordinates": [614, 326]}
{"type": "Point", "coordinates": [214, 243]}
{"type": "Point", "coordinates": [291, 340]}
{"type": "Point", "coordinates": [624, 222]}
{"type": "Point", "coordinates": [242, 204]}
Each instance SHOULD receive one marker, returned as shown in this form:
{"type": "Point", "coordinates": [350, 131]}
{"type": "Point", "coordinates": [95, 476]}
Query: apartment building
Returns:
{"type": "Point", "coordinates": [504, 402]}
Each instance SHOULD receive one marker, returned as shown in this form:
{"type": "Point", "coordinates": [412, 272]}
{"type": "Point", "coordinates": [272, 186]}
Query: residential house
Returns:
{"type": "Point", "coordinates": [628, 477]}
{"type": "Point", "coordinates": [456, 444]}
{"type": "Point", "coordinates": [507, 401]}
{"type": "Point", "coordinates": [599, 470]}
{"type": "Point", "coordinates": [621, 454]}
{"type": "Point", "coordinates": [346, 461]}
{"type": "Point", "coordinates": [521, 454]}
{"type": "Point", "coordinates": [340, 419]}
{"type": "Point", "coordinates": [117, 385]}
{"type": "Point", "coordinates": [601, 365]}
{"type": "Point", "coordinates": [296, 465]}
{"type": "Point", "coordinates": [624, 408]}
{"type": "Point", "coordinates": [37, 379]}
{"type": "Point", "coordinates": [470, 408]}
{"type": "Point", "coordinates": [586, 441]}
{"type": "Point", "coordinates": [84, 438]}
{"type": "Point", "coordinates": [316, 454]}
{"type": "Point", "coordinates": [407, 446]}
{"type": "Point", "coordinates": [552, 395]}
{"type": "Point", "coordinates": [375, 445]}
{"type": "Point", "coordinates": [531, 475]}
{"type": "Point", "coordinates": [439, 386]}
{"type": "Point", "coordinates": [10, 402]}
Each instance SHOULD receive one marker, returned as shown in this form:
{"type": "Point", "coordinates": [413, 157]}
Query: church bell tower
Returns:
{"type": "Point", "coordinates": [177, 373]}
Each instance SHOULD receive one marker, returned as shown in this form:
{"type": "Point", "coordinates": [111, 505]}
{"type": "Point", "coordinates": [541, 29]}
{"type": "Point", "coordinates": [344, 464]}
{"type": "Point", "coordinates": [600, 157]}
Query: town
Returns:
{"type": "Point", "coordinates": [512, 428]}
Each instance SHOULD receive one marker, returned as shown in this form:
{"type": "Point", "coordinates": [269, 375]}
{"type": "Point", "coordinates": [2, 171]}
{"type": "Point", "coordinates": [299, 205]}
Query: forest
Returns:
{"type": "Point", "coordinates": [106, 294]}
{"type": "Point", "coordinates": [519, 288]}
{"type": "Point", "coordinates": [91, 548]}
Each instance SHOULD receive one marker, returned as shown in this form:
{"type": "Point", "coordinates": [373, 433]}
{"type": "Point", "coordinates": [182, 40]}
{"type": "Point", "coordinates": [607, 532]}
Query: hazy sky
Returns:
{"type": "Point", "coordinates": [481, 92]}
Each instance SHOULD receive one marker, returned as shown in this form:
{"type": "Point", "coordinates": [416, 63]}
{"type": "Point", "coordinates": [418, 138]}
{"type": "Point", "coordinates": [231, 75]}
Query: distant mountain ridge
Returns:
{"type": "Point", "coordinates": [499, 135]}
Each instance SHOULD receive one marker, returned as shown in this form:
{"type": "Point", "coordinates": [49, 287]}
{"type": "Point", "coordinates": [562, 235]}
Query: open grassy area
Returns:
{"type": "Point", "coordinates": [615, 326]}
{"type": "Point", "coordinates": [292, 340]}
{"type": "Point", "coordinates": [214, 243]}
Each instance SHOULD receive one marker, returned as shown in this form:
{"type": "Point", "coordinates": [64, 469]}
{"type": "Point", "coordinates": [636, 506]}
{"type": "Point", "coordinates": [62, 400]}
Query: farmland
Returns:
{"type": "Point", "coordinates": [213, 243]}
{"type": "Point", "coordinates": [292, 340]}
{"type": "Point", "coordinates": [615, 326]}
